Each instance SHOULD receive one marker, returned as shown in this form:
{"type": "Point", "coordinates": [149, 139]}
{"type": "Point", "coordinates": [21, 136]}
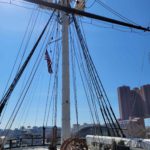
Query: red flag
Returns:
{"type": "Point", "coordinates": [49, 62]}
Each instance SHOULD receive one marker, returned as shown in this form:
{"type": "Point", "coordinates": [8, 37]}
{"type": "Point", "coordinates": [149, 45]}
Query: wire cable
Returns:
{"type": "Point", "coordinates": [115, 12]}
{"type": "Point", "coordinates": [11, 120]}
{"type": "Point", "coordinates": [95, 79]}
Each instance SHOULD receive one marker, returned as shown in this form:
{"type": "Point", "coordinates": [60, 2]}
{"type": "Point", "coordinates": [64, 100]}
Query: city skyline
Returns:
{"type": "Point", "coordinates": [134, 102]}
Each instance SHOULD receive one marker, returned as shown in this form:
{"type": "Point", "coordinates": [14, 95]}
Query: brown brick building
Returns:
{"type": "Point", "coordinates": [134, 102]}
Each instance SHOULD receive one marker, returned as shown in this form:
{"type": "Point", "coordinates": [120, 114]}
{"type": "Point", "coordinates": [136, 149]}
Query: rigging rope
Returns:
{"type": "Point", "coordinates": [15, 63]}
{"type": "Point", "coordinates": [114, 12]}
{"type": "Point", "coordinates": [33, 92]}
{"type": "Point", "coordinates": [14, 4]}
{"type": "Point", "coordinates": [100, 105]}
{"type": "Point", "coordinates": [40, 50]}
{"type": "Point", "coordinates": [74, 84]}
{"type": "Point", "coordinates": [85, 81]}
{"type": "Point", "coordinates": [97, 83]}
{"type": "Point", "coordinates": [46, 104]}
{"type": "Point", "coordinates": [19, 74]}
{"type": "Point", "coordinates": [28, 39]}
{"type": "Point", "coordinates": [12, 70]}
{"type": "Point", "coordinates": [53, 60]}
{"type": "Point", "coordinates": [56, 76]}
{"type": "Point", "coordinates": [12, 118]}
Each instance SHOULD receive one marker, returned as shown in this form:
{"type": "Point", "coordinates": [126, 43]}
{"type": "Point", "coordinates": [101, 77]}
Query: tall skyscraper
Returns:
{"type": "Point", "coordinates": [145, 92]}
{"type": "Point", "coordinates": [134, 103]}
{"type": "Point", "coordinates": [124, 99]}
{"type": "Point", "coordinates": [137, 104]}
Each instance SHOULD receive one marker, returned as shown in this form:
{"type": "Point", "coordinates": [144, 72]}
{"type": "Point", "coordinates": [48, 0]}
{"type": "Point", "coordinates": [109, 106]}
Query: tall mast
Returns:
{"type": "Point", "coordinates": [66, 131]}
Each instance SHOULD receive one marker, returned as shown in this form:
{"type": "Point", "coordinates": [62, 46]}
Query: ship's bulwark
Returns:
{"type": "Point", "coordinates": [35, 148]}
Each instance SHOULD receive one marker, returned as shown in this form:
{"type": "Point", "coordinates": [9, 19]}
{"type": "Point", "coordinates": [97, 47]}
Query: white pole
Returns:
{"type": "Point", "coordinates": [66, 131]}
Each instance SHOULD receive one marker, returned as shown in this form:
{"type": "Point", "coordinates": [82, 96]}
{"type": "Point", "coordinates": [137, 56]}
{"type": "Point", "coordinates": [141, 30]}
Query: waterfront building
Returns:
{"type": "Point", "coordinates": [134, 102]}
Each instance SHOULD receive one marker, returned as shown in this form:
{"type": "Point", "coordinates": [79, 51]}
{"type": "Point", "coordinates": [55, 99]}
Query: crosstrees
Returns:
{"type": "Point", "coordinates": [87, 14]}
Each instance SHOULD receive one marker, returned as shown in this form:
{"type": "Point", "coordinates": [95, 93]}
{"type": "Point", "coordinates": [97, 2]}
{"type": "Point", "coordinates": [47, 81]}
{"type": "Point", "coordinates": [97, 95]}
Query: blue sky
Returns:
{"type": "Point", "coordinates": [120, 56]}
